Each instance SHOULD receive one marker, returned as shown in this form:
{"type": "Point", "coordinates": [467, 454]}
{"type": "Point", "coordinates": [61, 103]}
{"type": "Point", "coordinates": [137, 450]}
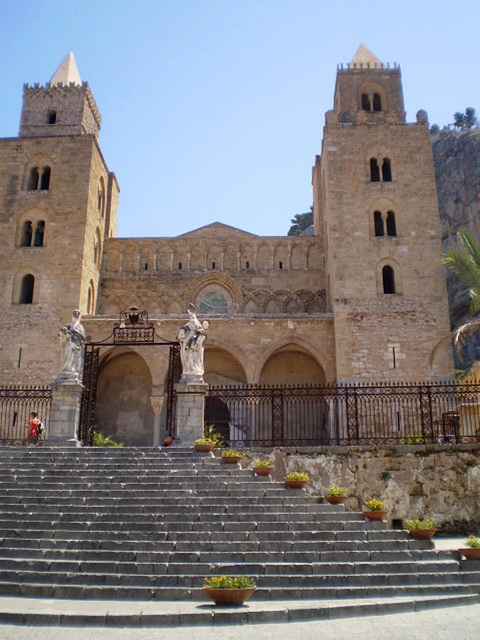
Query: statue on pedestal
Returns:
{"type": "Point", "coordinates": [72, 337]}
{"type": "Point", "coordinates": [192, 337]}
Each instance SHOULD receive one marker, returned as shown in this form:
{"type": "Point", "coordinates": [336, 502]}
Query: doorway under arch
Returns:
{"type": "Point", "coordinates": [123, 408]}
{"type": "Point", "coordinates": [292, 364]}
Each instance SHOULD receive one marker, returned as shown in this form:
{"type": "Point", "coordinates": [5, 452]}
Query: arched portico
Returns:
{"type": "Point", "coordinates": [292, 364]}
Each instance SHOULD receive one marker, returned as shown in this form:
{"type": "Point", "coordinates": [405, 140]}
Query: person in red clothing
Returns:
{"type": "Point", "coordinates": [32, 427]}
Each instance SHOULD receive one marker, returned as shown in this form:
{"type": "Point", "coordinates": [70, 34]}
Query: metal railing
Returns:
{"type": "Point", "coordinates": [357, 414]}
{"type": "Point", "coordinates": [16, 404]}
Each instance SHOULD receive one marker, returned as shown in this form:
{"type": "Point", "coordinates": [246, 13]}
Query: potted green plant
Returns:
{"type": "Point", "coordinates": [421, 529]}
{"type": "Point", "coordinates": [262, 466]}
{"type": "Point", "coordinates": [229, 589]}
{"type": "Point", "coordinates": [204, 444]}
{"type": "Point", "coordinates": [211, 439]}
{"type": "Point", "coordinates": [375, 509]}
{"type": "Point", "coordinates": [230, 456]}
{"type": "Point", "coordinates": [336, 495]}
{"type": "Point", "coordinates": [472, 551]}
{"type": "Point", "coordinates": [296, 479]}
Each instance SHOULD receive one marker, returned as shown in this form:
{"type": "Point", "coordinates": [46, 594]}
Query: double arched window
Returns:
{"type": "Point", "coordinates": [32, 233]}
{"type": "Point", "coordinates": [39, 178]}
{"type": "Point", "coordinates": [380, 170]}
{"type": "Point", "coordinates": [384, 224]}
{"type": "Point", "coordinates": [371, 102]}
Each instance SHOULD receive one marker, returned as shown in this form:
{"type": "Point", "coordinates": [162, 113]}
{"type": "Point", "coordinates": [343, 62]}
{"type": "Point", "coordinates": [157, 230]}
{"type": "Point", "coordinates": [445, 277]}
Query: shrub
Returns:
{"type": "Point", "coordinates": [413, 440]}
{"type": "Point", "coordinates": [337, 492]}
{"type": "Point", "coordinates": [229, 582]}
{"type": "Point", "coordinates": [473, 542]}
{"type": "Point", "coordinates": [213, 436]}
{"type": "Point", "coordinates": [375, 504]}
{"type": "Point", "coordinates": [262, 463]}
{"type": "Point", "coordinates": [99, 440]}
{"type": "Point", "coordinates": [420, 524]}
{"type": "Point", "coordinates": [298, 476]}
{"type": "Point", "coordinates": [231, 453]}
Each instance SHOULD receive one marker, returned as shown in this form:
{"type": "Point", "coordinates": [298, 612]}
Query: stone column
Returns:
{"type": "Point", "coordinates": [65, 412]}
{"type": "Point", "coordinates": [190, 412]}
{"type": "Point", "coordinates": [157, 406]}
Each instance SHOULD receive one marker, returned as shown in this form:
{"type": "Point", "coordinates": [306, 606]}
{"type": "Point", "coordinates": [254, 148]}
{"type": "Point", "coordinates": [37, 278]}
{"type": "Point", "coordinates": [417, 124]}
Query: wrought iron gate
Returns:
{"type": "Point", "coordinates": [134, 329]}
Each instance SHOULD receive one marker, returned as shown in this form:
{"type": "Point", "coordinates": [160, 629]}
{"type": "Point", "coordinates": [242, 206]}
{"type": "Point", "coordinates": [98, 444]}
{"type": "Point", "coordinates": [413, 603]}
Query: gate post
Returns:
{"type": "Point", "coordinates": [65, 414]}
{"type": "Point", "coordinates": [190, 411]}
{"type": "Point", "coordinates": [157, 401]}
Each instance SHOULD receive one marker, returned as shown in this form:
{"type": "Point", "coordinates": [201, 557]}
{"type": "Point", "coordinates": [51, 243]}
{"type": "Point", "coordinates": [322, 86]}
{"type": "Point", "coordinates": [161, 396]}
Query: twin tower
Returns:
{"type": "Point", "coordinates": [363, 298]}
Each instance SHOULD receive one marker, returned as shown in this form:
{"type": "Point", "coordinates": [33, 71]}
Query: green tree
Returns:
{"type": "Point", "coordinates": [300, 222]}
{"type": "Point", "coordinates": [464, 262]}
{"type": "Point", "coordinates": [464, 121]}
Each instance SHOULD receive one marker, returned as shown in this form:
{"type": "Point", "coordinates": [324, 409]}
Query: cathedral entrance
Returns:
{"type": "Point", "coordinates": [118, 388]}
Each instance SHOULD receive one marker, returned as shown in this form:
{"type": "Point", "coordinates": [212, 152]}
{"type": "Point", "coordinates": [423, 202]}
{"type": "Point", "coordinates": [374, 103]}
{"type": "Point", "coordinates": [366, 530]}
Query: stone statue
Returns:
{"type": "Point", "coordinates": [192, 337]}
{"type": "Point", "coordinates": [73, 339]}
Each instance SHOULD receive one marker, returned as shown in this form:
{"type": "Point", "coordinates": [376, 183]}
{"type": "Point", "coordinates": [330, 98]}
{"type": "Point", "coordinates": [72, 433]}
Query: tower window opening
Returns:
{"type": "Point", "coordinates": [391, 225]}
{"type": "Point", "coordinates": [39, 233]}
{"type": "Point", "coordinates": [45, 180]}
{"type": "Point", "coordinates": [180, 266]}
{"type": "Point", "coordinates": [27, 232]}
{"type": "Point", "coordinates": [52, 117]}
{"type": "Point", "coordinates": [26, 290]}
{"type": "Point", "coordinates": [213, 265]}
{"type": "Point", "coordinates": [388, 277]}
{"type": "Point", "coordinates": [374, 170]}
{"type": "Point", "coordinates": [145, 266]}
{"type": "Point", "coordinates": [378, 223]}
{"type": "Point", "coordinates": [386, 170]}
{"type": "Point", "coordinates": [377, 102]}
{"type": "Point", "coordinates": [366, 102]}
{"type": "Point", "coordinates": [33, 179]}
{"type": "Point", "coordinates": [280, 265]}
{"type": "Point", "coordinates": [247, 265]}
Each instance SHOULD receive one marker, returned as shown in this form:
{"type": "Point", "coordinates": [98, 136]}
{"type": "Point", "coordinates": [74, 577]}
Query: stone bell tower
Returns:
{"type": "Point", "coordinates": [59, 206]}
{"type": "Point", "coordinates": [375, 203]}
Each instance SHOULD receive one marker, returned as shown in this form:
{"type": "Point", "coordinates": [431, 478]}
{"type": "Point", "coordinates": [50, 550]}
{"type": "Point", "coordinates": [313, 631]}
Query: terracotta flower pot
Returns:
{"type": "Point", "coordinates": [229, 596]}
{"type": "Point", "coordinates": [375, 515]}
{"type": "Point", "coordinates": [336, 499]}
{"type": "Point", "coordinates": [204, 447]}
{"type": "Point", "coordinates": [470, 554]}
{"type": "Point", "coordinates": [262, 471]}
{"type": "Point", "coordinates": [422, 534]}
{"type": "Point", "coordinates": [231, 459]}
{"type": "Point", "coordinates": [296, 484]}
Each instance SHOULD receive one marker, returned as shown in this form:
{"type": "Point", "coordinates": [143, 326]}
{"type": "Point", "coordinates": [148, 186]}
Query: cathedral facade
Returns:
{"type": "Point", "coordinates": [363, 298]}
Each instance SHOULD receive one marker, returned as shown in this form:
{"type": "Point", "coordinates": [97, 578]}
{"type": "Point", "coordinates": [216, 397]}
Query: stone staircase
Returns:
{"type": "Point", "coordinates": [146, 524]}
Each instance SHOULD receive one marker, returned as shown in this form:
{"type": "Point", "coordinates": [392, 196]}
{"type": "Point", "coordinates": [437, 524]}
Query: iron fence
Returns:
{"type": "Point", "coordinates": [357, 414]}
{"type": "Point", "coordinates": [16, 404]}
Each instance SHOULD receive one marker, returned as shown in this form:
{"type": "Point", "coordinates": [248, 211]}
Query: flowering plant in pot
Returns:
{"type": "Point", "coordinates": [204, 444]}
{"type": "Point", "coordinates": [375, 509]}
{"type": "Point", "coordinates": [336, 495]}
{"type": "Point", "coordinates": [421, 528]}
{"type": "Point", "coordinates": [211, 439]}
{"type": "Point", "coordinates": [472, 550]}
{"type": "Point", "coordinates": [229, 589]}
{"type": "Point", "coordinates": [231, 456]}
{"type": "Point", "coordinates": [297, 479]}
{"type": "Point", "coordinates": [262, 466]}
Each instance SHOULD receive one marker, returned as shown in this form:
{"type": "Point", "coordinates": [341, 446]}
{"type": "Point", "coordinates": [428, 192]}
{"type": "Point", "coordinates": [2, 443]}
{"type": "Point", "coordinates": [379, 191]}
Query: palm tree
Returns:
{"type": "Point", "coordinates": [464, 262]}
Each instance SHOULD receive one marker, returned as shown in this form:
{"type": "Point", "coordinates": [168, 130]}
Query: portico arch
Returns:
{"type": "Point", "coordinates": [292, 364]}
{"type": "Point", "coordinates": [222, 367]}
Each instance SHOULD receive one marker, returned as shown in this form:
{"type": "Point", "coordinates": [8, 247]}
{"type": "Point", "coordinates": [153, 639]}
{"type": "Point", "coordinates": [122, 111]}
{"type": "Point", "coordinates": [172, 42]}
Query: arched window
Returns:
{"type": "Point", "coordinates": [101, 198]}
{"type": "Point", "coordinates": [391, 226]}
{"type": "Point", "coordinates": [213, 302]}
{"type": "Point", "coordinates": [26, 290]}
{"type": "Point", "coordinates": [45, 180]}
{"type": "Point", "coordinates": [91, 299]}
{"type": "Point", "coordinates": [377, 102]}
{"type": "Point", "coordinates": [374, 170]}
{"type": "Point", "coordinates": [27, 231]}
{"type": "Point", "coordinates": [52, 117]}
{"type": "Point", "coordinates": [388, 278]}
{"type": "Point", "coordinates": [33, 179]}
{"type": "Point", "coordinates": [386, 170]}
{"type": "Point", "coordinates": [97, 248]}
{"type": "Point", "coordinates": [39, 232]}
{"type": "Point", "coordinates": [365, 102]}
{"type": "Point", "coordinates": [378, 223]}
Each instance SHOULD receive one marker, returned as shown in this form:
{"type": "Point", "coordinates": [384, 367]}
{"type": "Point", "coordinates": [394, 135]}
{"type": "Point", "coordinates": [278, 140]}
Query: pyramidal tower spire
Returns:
{"type": "Point", "coordinates": [67, 73]}
{"type": "Point", "coordinates": [363, 55]}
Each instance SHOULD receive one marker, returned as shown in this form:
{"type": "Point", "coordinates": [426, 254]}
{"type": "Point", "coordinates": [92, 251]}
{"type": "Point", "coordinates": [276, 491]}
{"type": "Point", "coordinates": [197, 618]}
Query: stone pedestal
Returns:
{"type": "Point", "coordinates": [65, 413]}
{"type": "Point", "coordinates": [190, 411]}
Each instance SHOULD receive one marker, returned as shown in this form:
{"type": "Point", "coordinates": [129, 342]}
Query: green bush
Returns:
{"type": "Point", "coordinates": [420, 524]}
{"type": "Point", "coordinates": [375, 504]}
{"type": "Point", "coordinates": [229, 582]}
{"type": "Point", "coordinates": [99, 440]}
{"type": "Point", "coordinates": [298, 476]}
{"type": "Point", "coordinates": [262, 463]}
{"type": "Point", "coordinates": [337, 492]}
{"type": "Point", "coordinates": [413, 440]}
{"type": "Point", "coordinates": [473, 542]}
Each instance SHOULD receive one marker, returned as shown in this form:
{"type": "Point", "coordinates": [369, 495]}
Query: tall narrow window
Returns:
{"type": "Point", "coordinates": [391, 226]}
{"type": "Point", "coordinates": [26, 290]}
{"type": "Point", "coordinates": [91, 299]}
{"type": "Point", "coordinates": [378, 222]}
{"type": "Point", "coordinates": [365, 102]}
{"type": "Point", "coordinates": [374, 170]}
{"type": "Point", "coordinates": [45, 180]}
{"type": "Point", "coordinates": [39, 233]}
{"type": "Point", "coordinates": [33, 179]}
{"type": "Point", "coordinates": [377, 102]}
{"type": "Point", "coordinates": [101, 198]}
{"type": "Point", "coordinates": [52, 117]}
{"type": "Point", "coordinates": [388, 277]}
{"type": "Point", "coordinates": [27, 232]}
{"type": "Point", "coordinates": [386, 170]}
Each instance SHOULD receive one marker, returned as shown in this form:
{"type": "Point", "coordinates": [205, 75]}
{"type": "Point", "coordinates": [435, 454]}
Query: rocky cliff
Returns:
{"type": "Point", "coordinates": [456, 156]}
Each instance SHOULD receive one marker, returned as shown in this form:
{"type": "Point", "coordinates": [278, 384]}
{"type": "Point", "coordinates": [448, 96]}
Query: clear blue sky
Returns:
{"type": "Point", "coordinates": [214, 109]}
